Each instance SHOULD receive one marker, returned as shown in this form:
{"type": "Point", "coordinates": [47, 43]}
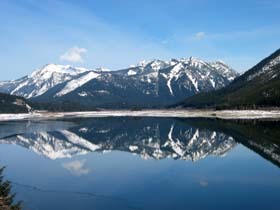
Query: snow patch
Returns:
{"type": "Point", "coordinates": [131, 72]}
{"type": "Point", "coordinates": [133, 148]}
{"type": "Point", "coordinates": [212, 82]}
{"type": "Point", "coordinates": [75, 83]}
{"type": "Point", "coordinates": [83, 130]}
{"type": "Point", "coordinates": [193, 80]}
{"type": "Point", "coordinates": [266, 68]}
{"type": "Point", "coordinates": [174, 73]}
{"type": "Point", "coordinates": [83, 94]}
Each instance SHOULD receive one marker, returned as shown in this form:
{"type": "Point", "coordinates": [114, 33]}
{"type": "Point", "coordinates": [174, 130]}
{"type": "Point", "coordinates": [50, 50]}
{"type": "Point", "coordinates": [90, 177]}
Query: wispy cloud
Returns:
{"type": "Point", "coordinates": [76, 167]}
{"type": "Point", "coordinates": [199, 35]}
{"type": "Point", "coordinates": [116, 44]}
{"type": "Point", "coordinates": [74, 55]}
{"type": "Point", "coordinates": [242, 34]}
{"type": "Point", "coordinates": [235, 35]}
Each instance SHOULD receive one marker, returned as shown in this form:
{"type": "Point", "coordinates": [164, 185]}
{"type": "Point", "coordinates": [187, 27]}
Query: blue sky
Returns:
{"type": "Point", "coordinates": [117, 33]}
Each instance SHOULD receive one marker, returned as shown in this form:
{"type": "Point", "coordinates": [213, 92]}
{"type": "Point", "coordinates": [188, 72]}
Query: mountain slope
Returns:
{"type": "Point", "coordinates": [40, 81]}
{"type": "Point", "coordinates": [149, 84]}
{"type": "Point", "coordinates": [259, 86]}
{"type": "Point", "coordinates": [13, 104]}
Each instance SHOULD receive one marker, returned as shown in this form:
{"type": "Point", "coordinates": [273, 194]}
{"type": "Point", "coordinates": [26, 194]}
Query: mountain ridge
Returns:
{"type": "Point", "coordinates": [148, 84]}
{"type": "Point", "coordinates": [257, 87]}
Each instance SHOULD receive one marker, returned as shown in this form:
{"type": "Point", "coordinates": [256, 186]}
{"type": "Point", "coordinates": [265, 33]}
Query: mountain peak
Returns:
{"type": "Point", "coordinates": [157, 64]}
{"type": "Point", "coordinates": [42, 79]}
{"type": "Point", "coordinates": [194, 62]}
{"type": "Point", "coordinates": [47, 70]}
{"type": "Point", "coordinates": [221, 62]}
{"type": "Point", "coordinates": [143, 63]}
{"type": "Point", "coordinates": [155, 82]}
{"type": "Point", "coordinates": [101, 69]}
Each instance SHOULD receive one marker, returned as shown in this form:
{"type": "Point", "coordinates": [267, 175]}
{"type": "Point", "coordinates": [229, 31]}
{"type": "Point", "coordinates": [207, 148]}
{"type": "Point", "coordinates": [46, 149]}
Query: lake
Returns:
{"type": "Point", "coordinates": [142, 163]}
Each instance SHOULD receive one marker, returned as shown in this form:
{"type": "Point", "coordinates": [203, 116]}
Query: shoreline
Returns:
{"type": "Point", "coordinates": [220, 114]}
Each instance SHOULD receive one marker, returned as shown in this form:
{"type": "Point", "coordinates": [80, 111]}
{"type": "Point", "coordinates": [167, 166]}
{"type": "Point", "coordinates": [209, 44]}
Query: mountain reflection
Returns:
{"type": "Point", "coordinates": [157, 138]}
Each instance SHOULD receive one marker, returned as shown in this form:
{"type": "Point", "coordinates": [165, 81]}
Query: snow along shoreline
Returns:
{"type": "Point", "coordinates": [224, 114]}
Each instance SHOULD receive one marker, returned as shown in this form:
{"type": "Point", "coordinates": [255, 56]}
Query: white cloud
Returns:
{"type": "Point", "coordinates": [74, 55]}
{"type": "Point", "coordinates": [76, 167]}
{"type": "Point", "coordinates": [200, 35]}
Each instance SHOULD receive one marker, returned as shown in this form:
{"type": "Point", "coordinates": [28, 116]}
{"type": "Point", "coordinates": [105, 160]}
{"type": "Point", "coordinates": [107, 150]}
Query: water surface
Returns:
{"type": "Point", "coordinates": [142, 163]}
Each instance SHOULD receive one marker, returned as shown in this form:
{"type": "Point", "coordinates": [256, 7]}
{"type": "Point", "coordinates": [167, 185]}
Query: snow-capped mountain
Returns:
{"type": "Point", "coordinates": [147, 84]}
{"type": "Point", "coordinates": [259, 86]}
{"type": "Point", "coordinates": [41, 80]}
{"type": "Point", "coordinates": [150, 138]}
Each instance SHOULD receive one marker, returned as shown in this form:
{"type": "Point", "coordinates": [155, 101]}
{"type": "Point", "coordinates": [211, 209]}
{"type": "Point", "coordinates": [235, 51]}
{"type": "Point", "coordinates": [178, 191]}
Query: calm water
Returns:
{"type": "Point", "coordinates": [142, 163]}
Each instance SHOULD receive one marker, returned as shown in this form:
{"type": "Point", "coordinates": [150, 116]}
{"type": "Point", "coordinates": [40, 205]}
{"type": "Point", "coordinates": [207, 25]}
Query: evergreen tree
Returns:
{"type": "Point", "coordinates": [6, 198]}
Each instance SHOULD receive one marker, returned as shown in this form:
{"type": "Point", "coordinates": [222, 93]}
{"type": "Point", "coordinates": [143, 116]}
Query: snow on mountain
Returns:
{"type": "Point", "coordinates": [48, 70]}
{"type": "Point", "coordinates": [142, 63]}
{"type": "Point", "coordinates": [131, 72]}
{"type": "Point", "coordinates": [173, 74]}
{"type": "Point", "coordinates": [77, 82]}
{"type": "Point", "coordinates": [154, 82]}
{"type": "Point", "coordinates": [266, 68]}
{"type": "Point", "coordinates": [224, 69]}
{"type": "Point", "coordinates": [257, 87]}
{"type": "Point", "coordinates": [103, 69]}
{"type": "Point", "coordinates": [41, 80]}
{"type": "Point", "coordinates": [157, 65]}
{"type": "Point", "coordinates": [216, 74]}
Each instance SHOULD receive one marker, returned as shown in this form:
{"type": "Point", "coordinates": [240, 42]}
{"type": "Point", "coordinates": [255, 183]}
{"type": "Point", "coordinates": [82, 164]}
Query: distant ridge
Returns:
{"type": "Point", "coordinates": [258, 87]}
{"type": "Point", "coordinates": [148, 84]}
